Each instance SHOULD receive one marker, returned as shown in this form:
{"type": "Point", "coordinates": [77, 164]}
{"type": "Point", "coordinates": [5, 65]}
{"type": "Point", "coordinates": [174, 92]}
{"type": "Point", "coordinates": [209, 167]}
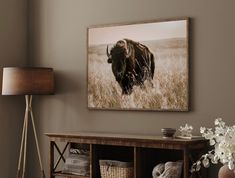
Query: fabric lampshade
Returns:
{"type": "Point", "coordinates": [27, 81]}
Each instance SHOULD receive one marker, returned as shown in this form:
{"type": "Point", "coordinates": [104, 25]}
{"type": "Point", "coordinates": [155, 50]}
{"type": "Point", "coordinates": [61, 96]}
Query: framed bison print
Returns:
{"type": "Point", "coordinates": [139, 66]}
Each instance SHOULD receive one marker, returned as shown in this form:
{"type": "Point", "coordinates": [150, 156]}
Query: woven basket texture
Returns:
{"type": "Point", "coordinates": [116, 169]}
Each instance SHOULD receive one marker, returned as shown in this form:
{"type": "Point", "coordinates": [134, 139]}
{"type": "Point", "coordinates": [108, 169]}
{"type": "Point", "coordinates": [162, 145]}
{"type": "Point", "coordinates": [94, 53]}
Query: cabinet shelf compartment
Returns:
{"type": "Point", "coordinates": [61, 152]}
{"type": "Point", "coordinates": [107, 152]}
{"type": "Point", "coordinates": [150, 157]}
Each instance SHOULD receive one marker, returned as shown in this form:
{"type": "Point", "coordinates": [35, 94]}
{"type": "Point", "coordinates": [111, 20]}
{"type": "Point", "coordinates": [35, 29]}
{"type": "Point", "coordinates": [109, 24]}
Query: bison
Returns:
{"type": "Point", "coordinates": [132, 64]}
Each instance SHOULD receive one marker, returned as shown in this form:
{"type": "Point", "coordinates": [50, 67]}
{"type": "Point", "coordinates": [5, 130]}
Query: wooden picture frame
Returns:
{"type": "Point", "coordinates": [139, 66]}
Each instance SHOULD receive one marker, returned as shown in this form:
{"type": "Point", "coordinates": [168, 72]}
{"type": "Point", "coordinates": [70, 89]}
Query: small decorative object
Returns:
{"type": "Point", "coordinates": [223, 140]}
{"type": "Point", "coordinates": [79, 151]}
{"type": "Point", "coordinates": [169, 169]}
{"type": "Point", "coordinates": [158, 170]}
{"type": "Point", "coordinates": [186, 131]}
{"type": "Point", "coordinates": [116, 169]}
{"type": "Point", "coordinates": [168, 132]}
{"type": "Point", "coordinates": [139, 66]}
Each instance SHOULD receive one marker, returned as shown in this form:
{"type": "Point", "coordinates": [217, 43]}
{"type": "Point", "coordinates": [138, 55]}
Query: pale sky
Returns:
{"type": "Point", "coordinates": [138, 32]}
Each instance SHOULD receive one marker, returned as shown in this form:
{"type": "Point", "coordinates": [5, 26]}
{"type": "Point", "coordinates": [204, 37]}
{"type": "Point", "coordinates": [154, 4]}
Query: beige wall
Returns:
{"type": "Point", "coordinates": [13, 45]}
{"type": "Point", "coordinates": [58, 40]}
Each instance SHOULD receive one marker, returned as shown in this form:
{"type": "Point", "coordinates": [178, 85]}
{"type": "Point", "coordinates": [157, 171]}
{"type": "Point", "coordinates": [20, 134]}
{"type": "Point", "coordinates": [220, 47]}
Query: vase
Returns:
{"type": "Point", "coordinates": [225, 172]}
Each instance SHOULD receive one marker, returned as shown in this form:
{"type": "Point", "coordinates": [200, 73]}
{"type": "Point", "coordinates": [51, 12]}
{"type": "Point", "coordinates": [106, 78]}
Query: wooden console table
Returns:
{"type": "Point", "coordinates": [144, 151]}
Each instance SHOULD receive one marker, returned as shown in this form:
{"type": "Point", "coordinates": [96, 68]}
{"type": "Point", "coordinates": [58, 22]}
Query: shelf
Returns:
{"type": "Point", "coordinates": [144, 151]}
{"type": "Point", "coordinates": [60, 174]}
{"type": "Point", "coordinates": [150, 157]}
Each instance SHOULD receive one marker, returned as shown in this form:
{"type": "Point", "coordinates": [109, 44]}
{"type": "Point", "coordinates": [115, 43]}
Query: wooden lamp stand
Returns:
{"type": "Point", "coordinates": [23, 146]}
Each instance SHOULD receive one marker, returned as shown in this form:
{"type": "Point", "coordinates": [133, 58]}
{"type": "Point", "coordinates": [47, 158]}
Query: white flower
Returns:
{"type": "Point", "coordinates": [212, 142]}
{"type": "Point", "coordinates": [214, 159]}
{"type": "Point", "coordinates": [198, 165]}
{"type": "Point", "coordinates": [205, 161]}
{"type": "Point", "coordinates": [223, 140]}
{"type": "Point", "coordinates": [217, 121]}
{"type": "Point", "coordinates": [202, 130]}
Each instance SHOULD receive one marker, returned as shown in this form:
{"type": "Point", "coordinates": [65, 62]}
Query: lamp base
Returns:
{"type": "Point", "coordinates": [23, 146]}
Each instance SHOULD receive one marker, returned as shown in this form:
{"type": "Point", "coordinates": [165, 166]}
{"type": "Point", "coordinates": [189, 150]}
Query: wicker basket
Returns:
{"type": "Point", "coordinates": [116, 169]}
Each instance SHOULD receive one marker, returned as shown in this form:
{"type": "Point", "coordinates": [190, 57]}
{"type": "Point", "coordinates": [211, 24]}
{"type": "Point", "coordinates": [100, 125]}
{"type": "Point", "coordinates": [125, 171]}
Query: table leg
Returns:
{"type": "Point", "coordinates": [52, 159]}
{"type": "Point", "coordinates": [186, 163]}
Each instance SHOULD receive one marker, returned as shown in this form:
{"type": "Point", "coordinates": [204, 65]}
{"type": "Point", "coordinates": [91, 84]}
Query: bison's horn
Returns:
{"type": "Point", "coordinates": [129, 51]}
{"type": "Point", "coordinates": [107, 51]}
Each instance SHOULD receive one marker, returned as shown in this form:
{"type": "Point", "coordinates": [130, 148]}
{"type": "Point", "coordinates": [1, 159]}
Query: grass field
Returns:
{"type": "Point", "coordinates": [170, 91]}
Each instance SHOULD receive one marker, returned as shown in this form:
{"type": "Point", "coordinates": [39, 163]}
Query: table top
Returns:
{"type": "Point", "coordinates": [125, 139]}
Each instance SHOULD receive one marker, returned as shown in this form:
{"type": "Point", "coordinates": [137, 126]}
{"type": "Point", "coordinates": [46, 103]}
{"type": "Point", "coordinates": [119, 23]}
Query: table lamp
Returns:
{"type": "Point", "coordinates": [27, 81]}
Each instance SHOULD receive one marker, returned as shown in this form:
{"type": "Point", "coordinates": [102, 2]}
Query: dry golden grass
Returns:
{"type": "Point", "coordinates": [170, 81]}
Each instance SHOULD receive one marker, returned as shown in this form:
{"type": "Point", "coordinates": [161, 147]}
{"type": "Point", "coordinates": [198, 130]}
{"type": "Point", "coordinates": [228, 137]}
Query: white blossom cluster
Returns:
{"type": "Point", "coordinates": [222, 138]}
